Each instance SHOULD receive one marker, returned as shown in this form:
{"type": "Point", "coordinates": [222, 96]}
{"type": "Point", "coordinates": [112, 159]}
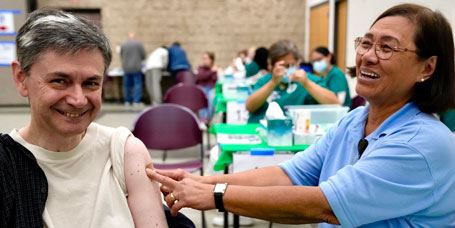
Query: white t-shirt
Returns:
{"type": "Point", "coordinates": [157, 59]}
{"type": "Point", "coordinates": [86, 184]}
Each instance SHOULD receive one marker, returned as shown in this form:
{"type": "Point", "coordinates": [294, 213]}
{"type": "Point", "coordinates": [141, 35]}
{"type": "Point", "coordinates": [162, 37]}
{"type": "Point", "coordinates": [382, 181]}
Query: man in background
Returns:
{"type": "Point", "coordinates": [155, 65]}
{"type": "Point", "coordinates": [132, 54]}
{"type": "Point", "coordinates": [179, 66]}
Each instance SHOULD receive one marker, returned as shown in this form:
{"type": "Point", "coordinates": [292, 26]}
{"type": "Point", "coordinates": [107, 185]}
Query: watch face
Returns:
{"type": "Point", "coordinates": [220, 188]}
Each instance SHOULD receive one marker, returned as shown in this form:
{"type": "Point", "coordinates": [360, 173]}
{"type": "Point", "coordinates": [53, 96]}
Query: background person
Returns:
{"type": "Point", "coordinates": [329, 75]}
{"type": "Point", "coordinates": [448, 118]}
{"type": "Point", "coordinates": [179, 66]}
{"type": "Point", "coordinates": [286, 84]}
{"type": "Point", "coordinates": [155, 65]}
{"type": "Point", "coordinates": [206, 76]}
{"type": "Point", "coordinates": [259, 63]}
{"type": "Point", "coordinates": [62, 169]}
{"type": "Point", "coordinates": [389, 164]}
{"type": "Point", "coordinates": [132, 54]}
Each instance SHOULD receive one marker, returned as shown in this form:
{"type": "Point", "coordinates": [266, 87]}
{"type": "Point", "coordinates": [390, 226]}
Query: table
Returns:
{"type": "Point", "coordinates": [227, 150]}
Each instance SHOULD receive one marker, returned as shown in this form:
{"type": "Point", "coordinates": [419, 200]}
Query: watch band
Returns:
{"type": "Point", "coordinates": [218, 193]}
{"type": "Point", "coordinates": [219, 204]}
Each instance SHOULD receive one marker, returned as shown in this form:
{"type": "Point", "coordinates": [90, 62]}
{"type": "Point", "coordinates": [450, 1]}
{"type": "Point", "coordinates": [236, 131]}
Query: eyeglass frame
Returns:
{"type": "Point", "coordinates": [358, 40]}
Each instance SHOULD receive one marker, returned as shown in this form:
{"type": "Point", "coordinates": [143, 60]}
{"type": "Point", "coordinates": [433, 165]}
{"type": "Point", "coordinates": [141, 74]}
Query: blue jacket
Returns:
{"type": "Point", "coordinates": [177, 59]}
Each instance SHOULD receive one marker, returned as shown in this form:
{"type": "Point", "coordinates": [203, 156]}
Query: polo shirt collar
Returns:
{"type": "Point", "coordinates": [408, 111]}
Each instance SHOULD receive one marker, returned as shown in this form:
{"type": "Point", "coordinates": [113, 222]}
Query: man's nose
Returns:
{"type": "Point", "coordinates": [77, 97]}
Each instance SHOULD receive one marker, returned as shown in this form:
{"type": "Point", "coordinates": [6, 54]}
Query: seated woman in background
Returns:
{"type": "Point", "coordinates": [448, 118]}
{"type": "Point", "coordinates": [286, 84]}
{"type": "Point", "coordinates": [206, 76]}
{"type": "Point", "coordinates": [259, 65]}
{"type": "Point", "coordinates": [329, 75]}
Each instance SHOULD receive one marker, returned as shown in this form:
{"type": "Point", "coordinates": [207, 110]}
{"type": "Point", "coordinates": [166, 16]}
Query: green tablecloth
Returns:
{"type": "Point", "coordinates": [227, 150]}
{"type": "Point", "coordinates": [222, 97]}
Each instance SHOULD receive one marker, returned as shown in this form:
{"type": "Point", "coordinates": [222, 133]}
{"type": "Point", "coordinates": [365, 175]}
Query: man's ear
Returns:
{"type": "Point", "coordinates": [19, 78]}
{"type": "Point", "coordinates": [429, 68]}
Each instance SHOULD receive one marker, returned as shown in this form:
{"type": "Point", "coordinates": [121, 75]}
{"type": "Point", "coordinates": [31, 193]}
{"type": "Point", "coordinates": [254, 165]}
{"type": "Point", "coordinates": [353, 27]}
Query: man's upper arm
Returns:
{"type": "Point", "coordinates": [144, 198]}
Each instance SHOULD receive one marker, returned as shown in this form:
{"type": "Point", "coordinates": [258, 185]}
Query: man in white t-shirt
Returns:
{"type": "Point", "coordinates": [96, 174]}
{"type": "Point", "coordinates": [154, 66]}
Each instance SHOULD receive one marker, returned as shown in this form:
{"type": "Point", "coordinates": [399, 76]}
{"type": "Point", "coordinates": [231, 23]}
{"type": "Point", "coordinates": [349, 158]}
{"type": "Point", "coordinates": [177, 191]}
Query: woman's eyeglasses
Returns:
{"type": "Point", "coordinates": [383, 50]}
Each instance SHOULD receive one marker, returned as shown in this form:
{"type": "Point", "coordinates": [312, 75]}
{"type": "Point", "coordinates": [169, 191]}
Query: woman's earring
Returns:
{"type": "Point", "coordinates": [422, 79]}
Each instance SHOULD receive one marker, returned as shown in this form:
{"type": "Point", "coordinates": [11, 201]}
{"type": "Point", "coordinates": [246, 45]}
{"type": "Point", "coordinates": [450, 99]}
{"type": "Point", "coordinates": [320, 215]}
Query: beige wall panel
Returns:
{"type": "Point", "coordinates": [222, 26]}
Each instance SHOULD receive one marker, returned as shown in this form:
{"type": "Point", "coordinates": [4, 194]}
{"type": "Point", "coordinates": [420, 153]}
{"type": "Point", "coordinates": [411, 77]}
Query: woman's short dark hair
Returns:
{"type": "Point", "coordinates": [433, 37]}
{"type": "Point", "coordinates": [282, 48]}
{"type": "Point", "coordinates": [261, 56]}
{"type": "Point", "coordinates": [325, 52]}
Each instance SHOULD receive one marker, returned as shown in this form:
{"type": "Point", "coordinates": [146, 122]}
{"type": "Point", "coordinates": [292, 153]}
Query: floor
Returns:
{"type": "Point", "coordinates": [117, 115]}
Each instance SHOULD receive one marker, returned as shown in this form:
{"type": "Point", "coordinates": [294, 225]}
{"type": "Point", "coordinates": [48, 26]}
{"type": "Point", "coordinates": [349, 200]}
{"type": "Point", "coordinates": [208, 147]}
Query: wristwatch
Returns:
{"type": "Point", "coordinates": [218, 193]}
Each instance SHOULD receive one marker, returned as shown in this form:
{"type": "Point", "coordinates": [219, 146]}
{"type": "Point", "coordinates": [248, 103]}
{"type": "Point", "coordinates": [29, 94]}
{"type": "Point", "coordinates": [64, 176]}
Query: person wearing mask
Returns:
{"type": "Point", "coordinates": [286, 84]}
{"type": "Point", "coordinates": [389, 164]}
{"type": "Point", "coordinates": [448, 118]}
{"type": "Point", "coordinates": [132, 54]}
{"type": "Point", "coordinates": [329, 75]}
{"type": "Point", "coordinates": [61, 169]}
{"type": "Point", "coordinates": [155, 65]}
{"type": "Point", "coordinates": [259, 63]}
{"type": "Point", "coordinates": [206, 76]}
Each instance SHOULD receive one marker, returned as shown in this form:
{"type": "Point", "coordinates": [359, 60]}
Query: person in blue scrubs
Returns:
{"type": "Point", "coordinates": [389, 164]}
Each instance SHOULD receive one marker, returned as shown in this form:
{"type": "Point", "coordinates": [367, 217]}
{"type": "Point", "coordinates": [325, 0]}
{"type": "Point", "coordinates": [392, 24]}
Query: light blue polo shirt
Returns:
{"type": "Point", "coordinates": [405, 177]}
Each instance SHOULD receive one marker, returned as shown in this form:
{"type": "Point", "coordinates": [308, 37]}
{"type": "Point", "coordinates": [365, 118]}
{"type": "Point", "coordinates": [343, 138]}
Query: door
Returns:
{"type": "Point", "coordinates": [341, 8]}
{"type": "Point", "coordinates": [319, 25]}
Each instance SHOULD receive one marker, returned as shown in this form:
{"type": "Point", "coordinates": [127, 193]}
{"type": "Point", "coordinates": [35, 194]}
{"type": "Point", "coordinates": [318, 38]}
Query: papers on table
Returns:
{"type": "Point", "coordinates": [238, 139]}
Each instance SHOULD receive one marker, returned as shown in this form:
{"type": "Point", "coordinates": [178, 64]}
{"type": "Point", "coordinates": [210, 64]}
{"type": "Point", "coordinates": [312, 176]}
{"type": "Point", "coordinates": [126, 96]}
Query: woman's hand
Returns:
{"type": "Point", "coordinates": [299, 76]}
{"type": "Point", "coordinates": [177, 175]}
{"type": "Point", "coordinates": [183, 191]}
{"type": "Point", "coordinates": [278, 71]}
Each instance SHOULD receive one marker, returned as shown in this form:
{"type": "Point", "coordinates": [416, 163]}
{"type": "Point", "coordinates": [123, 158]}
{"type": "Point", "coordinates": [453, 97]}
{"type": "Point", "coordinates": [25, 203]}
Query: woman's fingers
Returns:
{"type": "Point", "coordinates": [177, 174]}
{"type": "Point", "coordinates": [164, 180]}
{"type": "Point", "coordinates": [176, 207]}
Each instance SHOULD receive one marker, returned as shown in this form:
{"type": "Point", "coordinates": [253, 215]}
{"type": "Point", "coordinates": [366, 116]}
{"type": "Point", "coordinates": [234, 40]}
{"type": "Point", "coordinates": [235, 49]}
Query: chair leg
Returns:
{"type": "Point", "coordinates": [208, 140]}
{"type": "Point", "coordinates": [164, 155]}
{"type": "Point", "coordinates": [204, 225]}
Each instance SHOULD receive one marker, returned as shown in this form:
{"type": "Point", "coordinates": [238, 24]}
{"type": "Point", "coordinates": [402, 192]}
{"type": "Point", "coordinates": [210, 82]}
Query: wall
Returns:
{"type": "Point", "coordinates": [222, 26]}
{"type": "Point", "coordinates": [9, 95]}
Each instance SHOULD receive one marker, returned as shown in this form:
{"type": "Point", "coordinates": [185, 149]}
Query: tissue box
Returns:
{"type": "Point", "coordinates": [279, 132]}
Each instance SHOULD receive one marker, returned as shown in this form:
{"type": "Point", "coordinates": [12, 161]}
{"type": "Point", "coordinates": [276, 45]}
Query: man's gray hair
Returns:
{"type": "Point", "coordinates": [50, 29]}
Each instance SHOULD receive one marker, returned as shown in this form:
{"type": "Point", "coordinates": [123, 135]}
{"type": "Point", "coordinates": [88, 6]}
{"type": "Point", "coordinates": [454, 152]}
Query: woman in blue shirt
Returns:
{"type": "Point", "coordinates": [389, 164]}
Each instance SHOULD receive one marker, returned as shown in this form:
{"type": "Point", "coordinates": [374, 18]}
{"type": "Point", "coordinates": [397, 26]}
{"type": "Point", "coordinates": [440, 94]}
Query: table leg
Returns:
{"type": "Point", "coordinates": [236, 221]}
{"type": "Point", "coordinates": [226, 214]}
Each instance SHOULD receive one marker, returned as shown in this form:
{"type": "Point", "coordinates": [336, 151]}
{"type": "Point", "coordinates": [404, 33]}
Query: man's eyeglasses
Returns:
{"type": "Point", "coordinates": [383, 50]}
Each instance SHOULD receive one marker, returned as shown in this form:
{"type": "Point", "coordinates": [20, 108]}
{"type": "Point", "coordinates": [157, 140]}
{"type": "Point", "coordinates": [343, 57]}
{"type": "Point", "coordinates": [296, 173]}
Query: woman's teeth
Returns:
{"type": "Point", "coordinates": [369, 74]}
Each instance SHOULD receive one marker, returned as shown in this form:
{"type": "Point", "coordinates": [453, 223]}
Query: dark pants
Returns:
{"type": "Point", "coordinates": [179, 221]}
{"type": "Point", "coordinates": [185, 76]}
{"type": "Point", "coordinates": [132, 87]}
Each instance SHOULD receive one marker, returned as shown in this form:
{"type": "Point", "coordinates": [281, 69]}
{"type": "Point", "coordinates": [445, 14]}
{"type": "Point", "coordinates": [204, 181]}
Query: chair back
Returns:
{"type": "Point", "coordinates": [186, 95]}
{"type": "Point", "coordinates": [168, 127]}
